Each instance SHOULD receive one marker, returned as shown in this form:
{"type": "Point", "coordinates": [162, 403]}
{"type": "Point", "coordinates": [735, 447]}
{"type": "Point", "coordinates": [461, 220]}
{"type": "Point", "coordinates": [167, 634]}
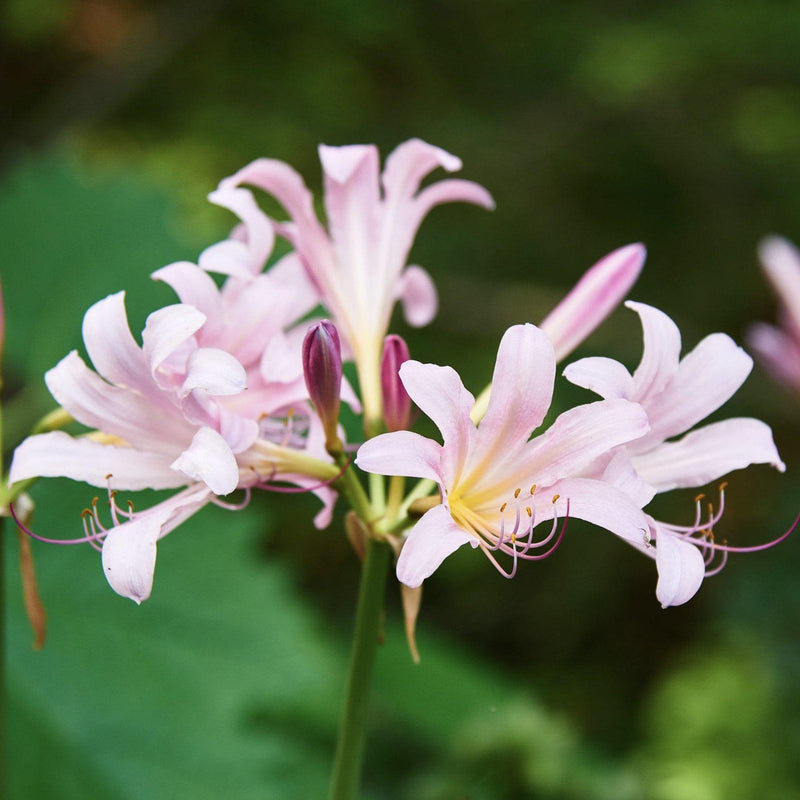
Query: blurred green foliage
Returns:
{"type": "Point", "coordinates": [593, 125]}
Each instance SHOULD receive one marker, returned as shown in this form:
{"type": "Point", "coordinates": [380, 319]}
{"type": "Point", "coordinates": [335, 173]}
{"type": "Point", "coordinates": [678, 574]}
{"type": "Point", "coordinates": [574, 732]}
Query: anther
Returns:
{"type": "Point", "coordinates": [528, 511]}
{"type": "Point", "coordinates": [555, 498]}
{"type": "Point", "coordinates": [533, 488]}
{"type": "Point", "coordinates": [723, 486]}
{"type": "Point", "coordinates": [699, 498]}
{"type": "Point", "coordinates": [503, 507]}
{"type": "Point", "coordinates": [516, 493]}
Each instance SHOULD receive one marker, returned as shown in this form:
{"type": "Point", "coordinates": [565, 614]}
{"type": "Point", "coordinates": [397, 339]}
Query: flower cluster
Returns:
{"type": "Point", "coordinates": [238, 387]}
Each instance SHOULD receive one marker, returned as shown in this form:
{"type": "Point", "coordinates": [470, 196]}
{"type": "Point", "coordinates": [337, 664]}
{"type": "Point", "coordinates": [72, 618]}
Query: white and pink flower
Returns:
{"type": "Point", "coordinates": [359, 262]}
{"type": "Point", "coordinates": [161, 419]}
{"type": "Point", "coordinates": [676, 393]}
{"type": "Point", "coordinates": [496, 483]}
{"type": "Point", "coordinates": [778, 347]}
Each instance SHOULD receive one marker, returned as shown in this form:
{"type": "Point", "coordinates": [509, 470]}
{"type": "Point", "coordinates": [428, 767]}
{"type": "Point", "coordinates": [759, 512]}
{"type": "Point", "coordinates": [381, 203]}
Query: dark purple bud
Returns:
{"type": "Point", "coordinates": [322, 369]}
{"type": "Point", "coordinates": [396, 402]}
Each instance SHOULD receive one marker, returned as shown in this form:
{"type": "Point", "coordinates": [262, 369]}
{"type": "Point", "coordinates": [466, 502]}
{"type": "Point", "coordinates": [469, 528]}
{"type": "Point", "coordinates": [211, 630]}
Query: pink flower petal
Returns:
{"type": "Point", "coordinates": [284, 183]}
{"type": "Point", "coordinates": [209, 459]}
{"type": "Point", "coordinates": [621, 474]}
{"type": "Point", "coordinates": [681, 569]}
{"type": "Point", "coordinates": [58, 455]}
{"type": "Point", "coordinates": [709, 453]}
{"type": "Point", "coordinates": [706, 378]}
{"type": "Point", "coordinates": [282, 361]}
{"type": "Point", "coordinates": [112, 348]}
{"type": "Point", "coordinates": [259, 235]}
{"type": "Point", "coordinates": [597, 502]}
{"type": "Point", "coordinates": [581, 435]}
{"type": "Point", "coordinates": [778, 353]}
{"type": "Point", "coordinates": [781, 262]}
{"type": "Point", "coordinates": [522, 388]}
{"type": "Point", "coordinates": [662, 350]}
{"type": "Point", "coordinates": [431, 540]}
{"type": "Point", "coordinates": [167, 329]}
{"type": "Point", "coordinates": [600, 290]}
{"type": "Point", "coordinates": [401, 453]}
{"type": "Point", "coordinates": [603, 376]}
{"type": "Point", "coordinates": [409, 163]}
{"type": "Point", "coordinates": [129, 550]}
{"type": "Point", "coordinates": [439, 393]}
{"type": "Point", "coordinates": [194, 287]}
{"type": "Point", "coordinates": [452, 190]}
{"type": "Point", "coordinates": [352, 204]}
{"type": "Point", "coordinates": [238, 431]}
{"type": "Point", "coordinates": [229, 257]}
{"type": "Point", "coordinates": [417, 293]}
{"type": "Point", "coordinates": [115, 411]}
{"type": "Point", "coordinates": [215, 371]}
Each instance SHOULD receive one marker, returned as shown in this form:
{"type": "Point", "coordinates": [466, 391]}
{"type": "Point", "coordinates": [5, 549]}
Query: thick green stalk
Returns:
{"type": "Point", "coordinates": [353, 723]}
{"type": "Point", "coordinates": [3, 751]}
{"type": "Point", "coordinates": [3, 701]}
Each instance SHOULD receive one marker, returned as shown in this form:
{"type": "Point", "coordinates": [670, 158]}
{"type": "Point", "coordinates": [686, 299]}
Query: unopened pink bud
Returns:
{"type": "Point", "coordinates": [322, 369]}
{"type": "Point", "coordinates": [396, 402]}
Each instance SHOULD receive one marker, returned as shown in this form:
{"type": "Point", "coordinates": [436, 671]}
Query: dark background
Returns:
{"type": "Point", "coordinates": [594, 125]}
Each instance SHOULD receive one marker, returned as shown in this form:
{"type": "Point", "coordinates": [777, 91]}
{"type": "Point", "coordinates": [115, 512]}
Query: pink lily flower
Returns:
{"type": "Point", "coordinates": [778, 347]}
{"type": "Point", "coordinates": [599, 291]}
{"type": "Point", "coordinates": [160, 421]}
{"type": "Point", "coordinates": [677, 393]}
{"type": "Point", "coordinates": [496, 483]}
{"type": "Point", "coordinates": [255, 316]}
{"type": "Point", "coordinates": [359, 262]}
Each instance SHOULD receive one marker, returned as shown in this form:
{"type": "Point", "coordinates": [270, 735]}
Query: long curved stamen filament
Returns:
{"type": "Point", "coordinates": [758, 547]}
{"type": "Point", "coordinates": [496, 564]}
{"type": "Point", "coordinates": [88, 538]}
{"type": "Point", "coordinates": [713, 518]}
{"type": "Point", "coordinates": [711, 572]}
{"type": "Point", "coordinates": [555, 545]}
{"type": "Point", "coordinates": [233, 506]}
{"type": "Point", "coordinates": [517, 550]}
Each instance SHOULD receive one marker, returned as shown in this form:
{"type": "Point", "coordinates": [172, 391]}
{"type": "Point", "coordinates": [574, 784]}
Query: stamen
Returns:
{"type": "Point", "coordinates": [88, 538]}
{"type": "Point", "coordinates": [233, 506]}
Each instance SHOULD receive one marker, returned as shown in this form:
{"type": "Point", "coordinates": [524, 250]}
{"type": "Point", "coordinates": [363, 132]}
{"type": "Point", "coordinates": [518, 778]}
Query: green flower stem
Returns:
{"type": "Point", "coordinates": [377, 493]}
{"type": "Point", "coordinates": [352, 726]}
{"type": "Point", "coordinates": [423, 488]}
{"type": "Point", "coordinates": [3, 701]}
{"type": "Point", "coordinates": [350, 486]}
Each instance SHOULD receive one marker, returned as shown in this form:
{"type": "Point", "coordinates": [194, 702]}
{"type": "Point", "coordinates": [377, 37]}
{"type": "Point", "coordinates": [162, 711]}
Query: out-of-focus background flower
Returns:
{"type": "Point", "coordinates": [594, 125]}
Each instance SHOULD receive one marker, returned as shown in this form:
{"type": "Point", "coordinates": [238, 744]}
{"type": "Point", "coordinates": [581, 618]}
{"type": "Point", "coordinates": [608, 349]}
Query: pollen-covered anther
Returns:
{"type": "Point", "coordinates": [516, 493]}
{"type": "Point", "coordinates": [528, 511]}
{"type": "Point", "coordinates": [555, 498]}
{"type": "Point", "coordinates": [533, 489]}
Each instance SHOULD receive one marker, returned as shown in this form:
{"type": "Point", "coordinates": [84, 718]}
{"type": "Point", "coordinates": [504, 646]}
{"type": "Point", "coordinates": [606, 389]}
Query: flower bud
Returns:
{"type": "Point", "coordinates": [396, 402]}
{"type": "Point", "coordinates": [322, 369]}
